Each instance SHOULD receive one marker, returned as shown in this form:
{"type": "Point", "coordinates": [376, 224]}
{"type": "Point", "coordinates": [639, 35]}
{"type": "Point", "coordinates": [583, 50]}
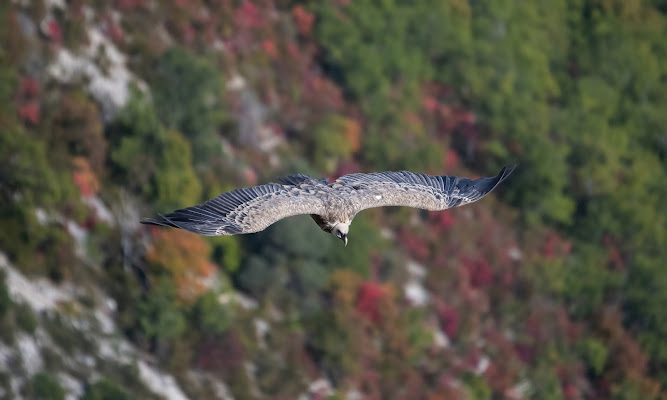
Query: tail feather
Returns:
{"type": "Point", "coordinates": [475, 190]}
{"type": "Point", "coordinates": [163, 222]}
{"type": "Point", "coordinates": [486, 185]}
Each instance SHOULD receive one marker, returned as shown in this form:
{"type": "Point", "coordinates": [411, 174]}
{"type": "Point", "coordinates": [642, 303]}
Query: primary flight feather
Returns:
{"type": "Point", "coordinates": [332, 205]}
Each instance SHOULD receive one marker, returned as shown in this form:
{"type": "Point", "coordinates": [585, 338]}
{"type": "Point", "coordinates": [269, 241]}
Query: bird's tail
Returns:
{"type": "Point", "coordinates": [475, 190]}
{"type": "Point", "coordinates": [486, 185]}
{"type": "Point", "coordinates": [162, 222]}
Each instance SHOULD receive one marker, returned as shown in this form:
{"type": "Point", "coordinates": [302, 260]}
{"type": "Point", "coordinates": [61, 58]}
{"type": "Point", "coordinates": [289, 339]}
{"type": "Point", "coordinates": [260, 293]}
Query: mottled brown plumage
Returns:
{"type": "Point", "coordinates": [332, 205]}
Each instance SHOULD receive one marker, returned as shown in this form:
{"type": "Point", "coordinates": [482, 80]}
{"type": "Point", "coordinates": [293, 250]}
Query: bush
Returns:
{"type": "Point", "coordinates": [158, 314]}
{"type": "Point", "coordinates": [187, 91]}
{"type": "Point", "coordinates": [211, 316]}
{"type": "Point", "coordinates": [595, 354]}
{"type": "Point", "coordinates": [105, 389]}
{"type": "Point", "coordinates": [44, 386]}
{"type": "Point", "coordinates": [136, 140]}
{"type": "Point", "coordinates": [25, 318]}
{"type": "Point", "coordinates": [5, 300]}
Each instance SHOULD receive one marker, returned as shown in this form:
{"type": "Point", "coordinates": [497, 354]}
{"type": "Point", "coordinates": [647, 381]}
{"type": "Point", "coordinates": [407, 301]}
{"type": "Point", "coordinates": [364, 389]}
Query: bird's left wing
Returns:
{"type": "Point", "coordinates": [250, 209]}
{"type": "Point", "coordinates": [404, 188]}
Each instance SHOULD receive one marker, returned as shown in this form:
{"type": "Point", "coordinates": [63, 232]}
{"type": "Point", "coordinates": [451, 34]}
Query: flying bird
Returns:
{"type": "Point", "coordinates": [333, 205]}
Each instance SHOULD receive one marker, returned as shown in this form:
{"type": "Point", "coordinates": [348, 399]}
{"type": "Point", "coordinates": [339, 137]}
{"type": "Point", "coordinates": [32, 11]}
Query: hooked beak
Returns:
{"type": "Point", "coordinates": [345, 239]}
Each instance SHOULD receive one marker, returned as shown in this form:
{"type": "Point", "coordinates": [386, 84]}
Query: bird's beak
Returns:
{"type": "Point", "coordinates": [345, 239]}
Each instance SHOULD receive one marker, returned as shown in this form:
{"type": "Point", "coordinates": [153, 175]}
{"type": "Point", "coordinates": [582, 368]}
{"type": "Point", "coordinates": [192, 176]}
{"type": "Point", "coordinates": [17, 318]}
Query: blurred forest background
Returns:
{"type": "Point", "coordinates": [554, 287]}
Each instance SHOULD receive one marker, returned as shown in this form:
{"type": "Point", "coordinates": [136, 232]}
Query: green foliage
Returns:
{"type": "Point", "coordinates": [371, 45]}
{"type": "Point", "coordinates": [149, 160]}
{"type": "Point", "coordinates": [26, 173]}
{"type": "Point", "coordinates": [175, 181]}
{"type": "Point", "coordinates": [646, 291]}
{"type": "Point", "coordinates": [575, 90]}
{"type": "Point", "coordinates": [105, 389]}
{"type": "Point", "coordinates": [211, 316]}
{"type": "Point", "coordinates": [595, 354]}
{"type": "Point", "coordinates": [370, 49]}
{"type": "Point", "coordinates": [477, 389]}
{"type": "Point", "coordinates": [158, 315]}
{"type": "Point", "coordinates": [256, 275]}
{"type": "Point", "coordinates": [36, 248]}
{"type": "Point", "coordinates": [65, 335]}
{"type": "Point", "coordinates": [588, 281]}
{"type": "Point", "coordinates": [627, 390]}
{"type": "Point", "coordinates": [44, 386]}
{"type": "Point", "coordinates": [136, 140]}
{"type": "Point", "coordinates": [8, 76]}
{"type": "Point", "coordinates": [5, 300]}
{"type": "Point", "coordinates": [187, 91]}
{"type": "Point", "coordinates": [227, 252]}
{"type": "Point", "coordinates": [363, 241]}
{"type": "Point", "coordinates": [25, 318]}
{"type": "Point", "coordinates": [76, 130]}
{"type": "Point", "coordinates": [331, 143]}
{"type": "Point", "coordinates": [545, 384]}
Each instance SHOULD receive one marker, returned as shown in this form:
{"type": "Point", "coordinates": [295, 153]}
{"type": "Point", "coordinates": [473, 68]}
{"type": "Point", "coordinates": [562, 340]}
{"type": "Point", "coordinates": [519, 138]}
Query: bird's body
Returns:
{"type": "Point", "coordinates": [333, 205]}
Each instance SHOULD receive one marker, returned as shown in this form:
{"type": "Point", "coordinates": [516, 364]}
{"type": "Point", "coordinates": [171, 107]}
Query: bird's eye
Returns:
{"type": "Point", "coordinates": [338, 235]}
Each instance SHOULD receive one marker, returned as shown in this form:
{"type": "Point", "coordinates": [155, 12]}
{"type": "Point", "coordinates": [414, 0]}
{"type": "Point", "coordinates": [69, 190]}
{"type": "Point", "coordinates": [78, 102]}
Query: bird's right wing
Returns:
{"type": "Point", "coordinates": [404, 188]}
{"type": "Point", "coordinates": [250, 209]}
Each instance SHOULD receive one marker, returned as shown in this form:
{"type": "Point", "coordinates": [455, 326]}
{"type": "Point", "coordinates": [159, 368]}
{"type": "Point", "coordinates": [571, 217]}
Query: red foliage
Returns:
{"type": "Point", "coordinates": [451, 160]}
{"type": "Point", "coordinates": [344, 168]}
{"type": "Point", "coordinates": [248, 15]}
{"type": "Point", "coordinates": [293, 50]}
{"type": "Point", "coordinates": [270, 48]}
{"type": "Point", "coordinates": [321, 93]}
{"type": "Point", "coordinates": [479, 272]}
{"type": "Point", "coordinates": [417, 247]}
{"type": "Point", "coordinates": [466, 117]}
{"type": "Point", "coordinates": [84, 177]}
{"type": "Point", "coordinates": [555, 246]}
{"type": "Point", "coordinates": [442, 220]}
{"type": "Point", "coordinates": [116, 33]}
{"type": "Point", "coordinates": [54, 31]}
{"type": "Point", "coordinates": [29, 87]}
{"type": "Point", "coordinates": [449, 388]}
{"type": "Point", "coordinates": [182, 4]}
{"type": "Point", "coordinates": [126, 5]}
{"type": "Point", "coordinates": [369, 298]}
{"type": "Point", "coordinates": [188, 33]}
{"type": "Point", "coordinates": [220, 353]}
{"type": "Point", "coordinates": [30, 112]}
{"type": "Point", "coordinates": [250, 176]}
{"type": "Point", "coordinates": [567, 326]}
{"type": "Point", "coordinates": [430, 103]}
{"type": "Point", "coordinates": [303, 19]}
{"type": "Point", "coordinates": [186, 257]}
{"type": "Point", "coordinates": [501, 373]}
{"type": "Point", "coordinates": [524, 352]}
{"type": "Point", "coordinates": [449, 320]}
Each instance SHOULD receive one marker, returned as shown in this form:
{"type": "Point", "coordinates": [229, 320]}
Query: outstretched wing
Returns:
{"type": "Point", "coordinates": [249, 210]}
{"type": "Point", "coordinates": [403, 188]}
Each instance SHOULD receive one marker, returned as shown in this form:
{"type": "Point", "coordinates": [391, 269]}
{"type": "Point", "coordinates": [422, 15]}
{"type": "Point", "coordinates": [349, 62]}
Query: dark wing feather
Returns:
{"type": "Point", "coordinates": [404, 188]}
{"type": "Point", "coordinates": [247, 210]}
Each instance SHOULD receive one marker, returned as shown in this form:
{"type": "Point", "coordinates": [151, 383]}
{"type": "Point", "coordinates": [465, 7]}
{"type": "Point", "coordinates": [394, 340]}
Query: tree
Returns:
{"type": "Point", "coordinates": [185, 256]}
{"type": "Point", "coordinates": [180, 75]}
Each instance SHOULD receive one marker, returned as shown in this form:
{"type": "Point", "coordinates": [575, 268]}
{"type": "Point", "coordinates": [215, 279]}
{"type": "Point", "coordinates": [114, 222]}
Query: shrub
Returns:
{"type": "Point", "coordinates": [44, 386]}
{"type": "Point", "coordinates": [105, 389]}
{"type": "Point", "coordinates": [25, 318]}
{"type": "Point", "coordinates": [5, 300]}
{"type": "Point", "coordinates": [180, 75]}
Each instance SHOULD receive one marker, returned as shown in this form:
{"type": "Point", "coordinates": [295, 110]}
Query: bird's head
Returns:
{"type": "Point", "coordinates": [340, 231]}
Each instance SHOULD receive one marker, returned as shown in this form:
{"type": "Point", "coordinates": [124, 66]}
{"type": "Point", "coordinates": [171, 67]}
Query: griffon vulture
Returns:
{"type": "Point", "coordinates": [331, 205]}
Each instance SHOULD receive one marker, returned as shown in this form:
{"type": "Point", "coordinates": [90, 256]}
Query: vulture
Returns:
{"type": "Point", "coordinates": [332, 205]}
